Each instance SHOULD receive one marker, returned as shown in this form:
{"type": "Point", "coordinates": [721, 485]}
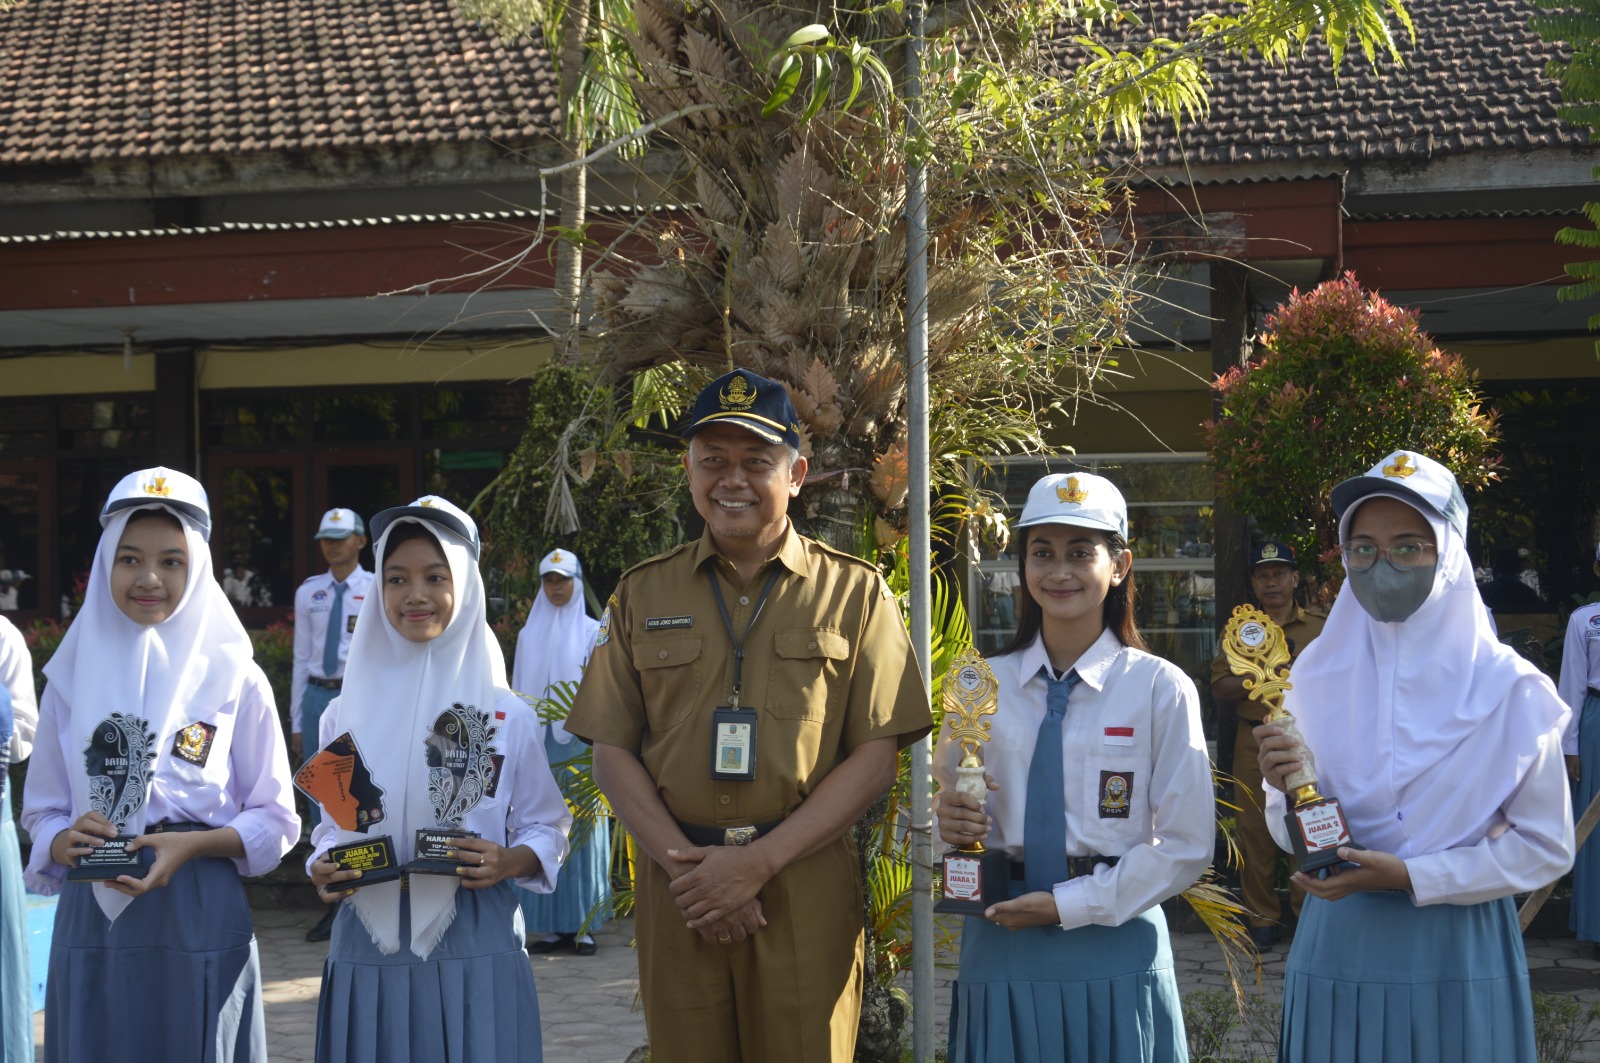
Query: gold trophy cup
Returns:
{"type": "Point", "coordinates": [1256, 649]}
{"type": "Point", "coordinates": [974, 877]}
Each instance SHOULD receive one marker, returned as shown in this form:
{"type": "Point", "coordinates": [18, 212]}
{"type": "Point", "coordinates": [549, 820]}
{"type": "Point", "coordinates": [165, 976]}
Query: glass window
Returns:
{"type": "Point", "coordinates": [253, 540]}
{"type": "Point", "coordinates": [483, 415]}
{"type": "Point", "coordinates": [460, 475]}
{"type": "Point", "coordinates": [254, 420]}
{"type": "Point", "coordinates": [103, 424]}
{"type": "Point", "coordinates": [81, 489]}
{"type": "Point", "coordinates": [25, 429]}
{"type": "Point", "coordinates": [19, 539]}
{"type": "Point", "coordinates": [365, 417]}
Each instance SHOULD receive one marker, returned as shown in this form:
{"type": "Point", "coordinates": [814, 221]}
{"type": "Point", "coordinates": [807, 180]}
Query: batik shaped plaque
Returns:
{"type": "Point", "coordinates": [338, 779]}
{"type": "Point", "coordinates": [118, 762]}
{"type": "Point", "coordinates": [461, 765]}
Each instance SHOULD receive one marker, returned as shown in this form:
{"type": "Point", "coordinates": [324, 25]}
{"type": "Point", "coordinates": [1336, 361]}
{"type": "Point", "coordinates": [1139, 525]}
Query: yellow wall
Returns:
{"type": "Point", "coordinates": [76, 374]}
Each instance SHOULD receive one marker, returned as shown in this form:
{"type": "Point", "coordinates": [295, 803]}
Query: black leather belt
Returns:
{"type": "Point", "coordinates": [326, 684]}
{"type": "Point", "coordinates": [174, 828]}
{"type": "Point", "coordinates": [725, 835]}
{"type": "Point", "coordinates": [1077, 866]}
{"type": "Point", "coordinates": [1593, 693]}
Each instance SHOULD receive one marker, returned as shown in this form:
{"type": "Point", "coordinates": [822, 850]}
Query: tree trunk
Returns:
{"type": "Point", "coordinates": [1230, 347]}
{"type": "Point", "coordinates": [574, 186]}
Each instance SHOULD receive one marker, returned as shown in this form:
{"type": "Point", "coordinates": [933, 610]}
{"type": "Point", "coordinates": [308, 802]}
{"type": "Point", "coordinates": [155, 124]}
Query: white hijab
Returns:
{"type": "Point", "coordinates": [554, 645]}
{"type": "Point", "coordinates": [393, 691]}
{"type": "Point", "coordinates": [168, 675]}
{"type": "Point", "coordinates": [1420, 713]}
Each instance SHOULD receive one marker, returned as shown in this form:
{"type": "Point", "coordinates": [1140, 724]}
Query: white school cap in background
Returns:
{"type": "Point", "coordinates": [564, 562]}
{"type": "Point", "coordinates": [340, 524]}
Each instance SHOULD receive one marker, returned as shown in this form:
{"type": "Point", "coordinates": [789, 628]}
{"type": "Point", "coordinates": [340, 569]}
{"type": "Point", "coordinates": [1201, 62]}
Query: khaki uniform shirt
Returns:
{"type": "Point", "coordinates": [1302, 627]}
{"type": "Point", "coordinates": [827, 667]}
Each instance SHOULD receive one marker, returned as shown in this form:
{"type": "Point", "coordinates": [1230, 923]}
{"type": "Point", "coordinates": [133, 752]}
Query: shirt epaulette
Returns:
{"type": "Point", "coordinates": [842, 555]}
{"type": "Point", "coordinates": [658, 558]}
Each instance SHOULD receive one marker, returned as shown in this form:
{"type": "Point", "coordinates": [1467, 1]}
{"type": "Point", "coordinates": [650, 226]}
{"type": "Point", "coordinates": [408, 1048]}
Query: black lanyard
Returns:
{"type": "Point", "coordinates": [727, 621]}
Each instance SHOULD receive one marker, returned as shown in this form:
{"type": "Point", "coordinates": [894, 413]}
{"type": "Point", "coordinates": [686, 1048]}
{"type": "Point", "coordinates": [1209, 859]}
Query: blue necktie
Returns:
{"type": "Point", "coordinates": [330, 645]}
{"type": "Point", "coordinates": [1044, 850]}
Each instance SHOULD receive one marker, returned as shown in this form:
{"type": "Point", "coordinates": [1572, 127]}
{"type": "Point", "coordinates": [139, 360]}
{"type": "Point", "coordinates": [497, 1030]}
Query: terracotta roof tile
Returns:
{"type": "Point", "coordinates": [1474, 81]}
{"type": "Point", "coordinates": [91, 79]}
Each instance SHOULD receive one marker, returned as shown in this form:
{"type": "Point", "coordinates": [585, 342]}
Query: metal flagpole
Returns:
{"type": "Point", "coordinates": [920, 553]}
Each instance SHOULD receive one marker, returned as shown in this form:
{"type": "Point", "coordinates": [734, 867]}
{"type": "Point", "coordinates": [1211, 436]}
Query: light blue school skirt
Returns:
{"type": "Point", "coordinates": [1584, 919]}
{"type": "Point", "coordinates": [584, 883]}
{"type": "Point", "coordinates": [176, 976]}
{"type": "Point", "coordinates": [1096, 994]}
{"type": "Point", "coordinates": [16, 977]}
{"type": "Point", "coordinates": [471, 1001]}
{"type": "Point", "coordinates": [1373, 977]}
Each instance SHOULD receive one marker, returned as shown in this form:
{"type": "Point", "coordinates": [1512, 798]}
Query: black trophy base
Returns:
{"type": "Point", "coordinates": [974, 881]}
{"type": "Point", "coordinates": [1319, 831]}
{"type": "Point", "coordinates": [435, 851]}
{"type": "Point", "coordinates": [374, 858]}
{"type": "Point", "coordinates": [109, 860]}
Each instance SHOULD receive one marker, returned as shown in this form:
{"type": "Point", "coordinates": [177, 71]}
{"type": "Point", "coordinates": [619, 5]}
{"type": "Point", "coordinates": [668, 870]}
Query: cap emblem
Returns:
{"type": "Point", "coordinates": [336, 517]}
{"type": "Point", "coordinates": [426, 503]}
{"type": "Point", "coordinates": [1401, 467]}
{"type": "Point", "coordinates": [556, 558]}
{"type": "Point", "coordinates": [158, 487]}
{"type": "Point", "coordinates": [738, 395]}
{"type": "Point", "coordinates": [1269, 551]}
{"type": "Point", "coordinates": [1072, 492]}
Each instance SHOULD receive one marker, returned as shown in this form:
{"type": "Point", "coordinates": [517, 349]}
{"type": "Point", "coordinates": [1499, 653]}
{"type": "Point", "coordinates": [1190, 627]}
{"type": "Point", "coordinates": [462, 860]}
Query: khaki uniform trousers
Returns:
{"type": "Point", "coordinates": [1258, 853]}
{"type": "Point", "coordinates": [792, 992]}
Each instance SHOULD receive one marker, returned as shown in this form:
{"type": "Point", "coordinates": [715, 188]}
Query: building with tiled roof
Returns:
{"type": "Point", "coordinates": [202, 201]}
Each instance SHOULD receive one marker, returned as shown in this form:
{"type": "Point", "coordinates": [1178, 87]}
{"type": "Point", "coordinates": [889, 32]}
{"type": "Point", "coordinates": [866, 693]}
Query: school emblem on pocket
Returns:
{"type": "Point", "coordinates": [1116, 787]}
{"type": "Point", "coordinates": [193, 743]}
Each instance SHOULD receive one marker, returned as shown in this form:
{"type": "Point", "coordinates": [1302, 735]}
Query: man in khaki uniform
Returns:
{"type": "Point", "coordinates": [740, 773]}
{"type": "Point", "coordinates": [1273, 579]}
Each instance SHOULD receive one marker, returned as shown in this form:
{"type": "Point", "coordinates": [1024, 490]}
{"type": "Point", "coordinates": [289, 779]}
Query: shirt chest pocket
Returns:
{"type": "Point", "coordinates": [1115, 791]}
{"type": "Point", "coordinates": [808, 672]}
{"type": "Point", "coordinates": [195, 756]}
{"type": "Point", "coordinates": [670, 677]}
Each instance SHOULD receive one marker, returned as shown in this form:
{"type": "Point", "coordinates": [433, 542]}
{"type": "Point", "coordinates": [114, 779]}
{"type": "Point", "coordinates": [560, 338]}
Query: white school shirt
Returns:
{"type": "Point", "coordinates": [244, 783]}
{"type": "Point", "coordinates": [1130, 712]}
{"type": "Point", "coordinates": [16, 675]}
{"type": "Point", "coordinates": [526, 807]}
{"type": "Point", "coordinates": [1525, 844]}
{"type": "Point", "coordinates": [1580, 668]}
{"type": "Point", "coordinates": [313, 602]}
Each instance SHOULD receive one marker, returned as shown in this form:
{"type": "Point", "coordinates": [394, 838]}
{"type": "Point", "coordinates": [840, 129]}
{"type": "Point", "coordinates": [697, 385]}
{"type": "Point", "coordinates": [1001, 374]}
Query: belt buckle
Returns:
{"type": "Point", "coordinates": [738, 836]}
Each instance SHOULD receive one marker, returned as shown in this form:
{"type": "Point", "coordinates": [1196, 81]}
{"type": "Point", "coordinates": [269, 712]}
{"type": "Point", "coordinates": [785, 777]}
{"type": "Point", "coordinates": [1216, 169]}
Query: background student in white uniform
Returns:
{"type": "Point", "coordinates": [1580, 689]}
{"type": "Point", "coordinates": [1443, 748]}
{"type": "Point", "coordinates": [156, 716]}
{"type": "Point", "coordinates": [1100, 793]}
{"type": "Point", "coordinates": [431, 966]}
{"type": "Point", "coordinates": [554, 647]}
{"type": "Point", "coordinates": [325, 610]}
{"type": "Point", "coordinates": [22, 710]}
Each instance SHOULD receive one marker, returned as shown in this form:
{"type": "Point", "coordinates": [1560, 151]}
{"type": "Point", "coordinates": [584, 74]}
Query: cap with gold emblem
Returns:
{"type": "Point", "coordinates": [750, 401]}
{"type": "Point", "coordinates": [436, 510]}
{"type": "Point", "coordinates": [1271, 552]}
{"type": "Point", "coordinates": [146, 488]}
{"type": "Point", "coordinates": [340, 524]}
{"type": "Point", "coordinates": [1410, 477]}
{"type": "Point", "coordinates": [564, 562]}
{"type": "Point", "coordinates": [1081, 499]}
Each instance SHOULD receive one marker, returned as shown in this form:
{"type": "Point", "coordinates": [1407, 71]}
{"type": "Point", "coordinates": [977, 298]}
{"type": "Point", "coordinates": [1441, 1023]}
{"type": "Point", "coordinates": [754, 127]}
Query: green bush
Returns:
{"type": "Point", "coordinates": [1342, 379]}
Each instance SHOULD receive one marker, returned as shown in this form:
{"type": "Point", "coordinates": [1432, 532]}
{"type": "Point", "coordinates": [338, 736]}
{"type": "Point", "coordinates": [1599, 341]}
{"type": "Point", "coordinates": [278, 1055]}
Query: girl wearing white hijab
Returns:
{"type": "Point", "coordinates": [554, 647]}
{"type": "Point", "coordinates": [431, 967]}
{"type": "Point", "coordinates": [157, 664]}
{"type": "Point", "coordinates": [1443, 748]}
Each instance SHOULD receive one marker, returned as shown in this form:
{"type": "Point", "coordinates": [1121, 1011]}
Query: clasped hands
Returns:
{"type": "Point", "coordinates": [715, 888]}
{"type": "Point", "coordinates": [962, 822]}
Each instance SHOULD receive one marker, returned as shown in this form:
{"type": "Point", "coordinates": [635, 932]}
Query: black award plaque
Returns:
{"type": "Point", "coordinates": [461, 765]}
{"type": "Point", "coordinates": [118, 762]}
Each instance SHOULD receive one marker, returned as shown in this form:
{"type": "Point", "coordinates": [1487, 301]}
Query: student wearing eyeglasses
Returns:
{"type": "Point", "coordinates": [1443, 748]}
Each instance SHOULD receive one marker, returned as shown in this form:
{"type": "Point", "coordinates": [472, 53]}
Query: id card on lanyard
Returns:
{"type": "Point", "coordinates": [733, 729]}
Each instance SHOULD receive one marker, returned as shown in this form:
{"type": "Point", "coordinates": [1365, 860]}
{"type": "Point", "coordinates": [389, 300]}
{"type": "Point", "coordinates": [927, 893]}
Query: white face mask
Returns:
{"type": "Point", "coordinates": [1390, 594]}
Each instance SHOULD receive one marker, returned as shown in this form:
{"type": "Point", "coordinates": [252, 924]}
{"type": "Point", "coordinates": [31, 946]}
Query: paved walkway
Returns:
{"type": "Point", "coordinates": [590, 1004]}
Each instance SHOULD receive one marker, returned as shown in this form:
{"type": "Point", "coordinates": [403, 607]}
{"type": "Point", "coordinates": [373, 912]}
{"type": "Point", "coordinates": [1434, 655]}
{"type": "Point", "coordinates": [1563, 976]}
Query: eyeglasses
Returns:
{"type": "Point", "coordinates": [1362, 556]}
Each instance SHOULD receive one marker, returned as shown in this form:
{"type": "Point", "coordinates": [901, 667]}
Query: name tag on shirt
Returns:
{"type": "Point", "coordinates": [660, 623]}
{"type": "Point", "coordinates": [1119, 736]}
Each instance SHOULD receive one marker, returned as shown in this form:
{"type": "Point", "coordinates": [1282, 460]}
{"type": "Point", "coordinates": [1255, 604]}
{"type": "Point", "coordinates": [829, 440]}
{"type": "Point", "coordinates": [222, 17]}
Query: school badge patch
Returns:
{"type": "Point", "coordinates": [193, 743]}
{"type": "Point", "coordinates": [603, 636]}
{"type": "Point", "coordinates": [1116, 787]}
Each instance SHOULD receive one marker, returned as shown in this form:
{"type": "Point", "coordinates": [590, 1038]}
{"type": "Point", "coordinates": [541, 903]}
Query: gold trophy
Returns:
{"type": "Point", "coordinates": [974, 877]}
{"type": "Point", "coordinates": [1257, 650]}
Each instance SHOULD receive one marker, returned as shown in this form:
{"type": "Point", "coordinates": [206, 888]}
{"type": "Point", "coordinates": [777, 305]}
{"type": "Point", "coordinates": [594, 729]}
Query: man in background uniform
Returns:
{"type": "Point", "coordinates": [325, 609]}
{"type": "Point", "coordinates": [1273, 580]}
{"type": "Point", "coordinates": [747, 698]}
